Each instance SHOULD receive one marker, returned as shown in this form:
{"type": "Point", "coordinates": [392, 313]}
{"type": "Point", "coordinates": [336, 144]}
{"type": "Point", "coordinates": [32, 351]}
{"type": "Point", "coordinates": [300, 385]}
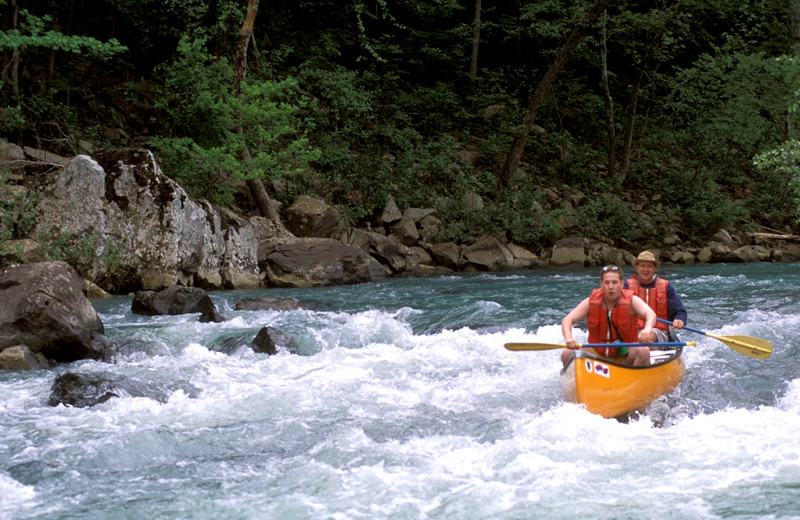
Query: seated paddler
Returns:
{"type": "Point", "coordinates": [612, 314]}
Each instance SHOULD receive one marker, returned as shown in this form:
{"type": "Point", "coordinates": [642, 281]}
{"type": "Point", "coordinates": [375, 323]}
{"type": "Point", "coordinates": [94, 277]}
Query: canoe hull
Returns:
{"type": "Point", "coordinates": [609, 389]}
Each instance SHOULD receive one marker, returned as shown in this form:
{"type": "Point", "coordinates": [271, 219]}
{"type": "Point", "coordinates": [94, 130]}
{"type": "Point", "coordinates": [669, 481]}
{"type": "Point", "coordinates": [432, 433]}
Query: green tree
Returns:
{"type": "Point", "coordinates": [205, 149]}
{"type": "Point", "coordinates": [515, 154]}
{"type": "Point", "coordinates": [783, 162]}
{"type": "Point", "coordinates": [28, 47]}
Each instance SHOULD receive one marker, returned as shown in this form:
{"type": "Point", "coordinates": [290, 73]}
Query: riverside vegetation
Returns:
{"type": "Point", "coordinates": [665, 121]}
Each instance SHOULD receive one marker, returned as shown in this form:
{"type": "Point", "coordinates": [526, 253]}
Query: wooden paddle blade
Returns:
{"type": "Point", "coordinates": [518, 347]}
{"type": "Point", "coordinates": [749, 346]}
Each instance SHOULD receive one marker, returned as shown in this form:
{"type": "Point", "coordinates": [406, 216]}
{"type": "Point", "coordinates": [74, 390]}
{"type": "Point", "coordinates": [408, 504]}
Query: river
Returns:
{"type": "Point", "coordinates": [403, 404]}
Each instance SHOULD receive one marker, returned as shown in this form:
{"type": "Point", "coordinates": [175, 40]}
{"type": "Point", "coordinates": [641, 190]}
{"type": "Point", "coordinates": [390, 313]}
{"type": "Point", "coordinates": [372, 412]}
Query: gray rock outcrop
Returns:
{"type": "Point", "coordinates": [398, 258]}
{"type": "Point", "coordinates": [309, 262]}
{"type": "Point", "coordinates": [488, 254]}
{"type": "Point", "coordinates": [126, 226]}
{"type": "Point", "coordinates": [569, 252]}
{"type": "Point", "coordinates": [310, 217]}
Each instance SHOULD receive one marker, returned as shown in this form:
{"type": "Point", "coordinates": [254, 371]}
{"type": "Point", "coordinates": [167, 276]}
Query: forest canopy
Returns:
{"type": "Point", "coordinates": [671, 116]}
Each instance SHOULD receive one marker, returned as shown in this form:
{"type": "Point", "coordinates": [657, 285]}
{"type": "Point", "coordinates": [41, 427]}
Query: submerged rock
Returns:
{"type": "Point", "coordinates": [269, 304]}
{"type": "Point", "coordinates": [83, 390]}
{"type": "Point", "coordinates": [269, 339]}
{"type": "Point", "coordinates": [176, 300]}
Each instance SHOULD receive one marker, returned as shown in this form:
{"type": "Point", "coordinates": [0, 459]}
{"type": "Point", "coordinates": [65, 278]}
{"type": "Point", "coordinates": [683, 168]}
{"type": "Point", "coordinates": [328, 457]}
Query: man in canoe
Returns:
{"type": "Point", "coordinates": [658, 293]}
{"type": "Point", "coordinates": [610, 314]}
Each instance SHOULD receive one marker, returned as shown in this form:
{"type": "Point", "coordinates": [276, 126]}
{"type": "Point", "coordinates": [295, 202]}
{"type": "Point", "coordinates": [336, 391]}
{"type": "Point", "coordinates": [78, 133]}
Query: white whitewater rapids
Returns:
{"type": "Point", "coordinates": [403, 404]}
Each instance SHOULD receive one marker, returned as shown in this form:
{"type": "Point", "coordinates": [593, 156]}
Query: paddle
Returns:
{"type": "Point", "coordinates": [517, 347]}
{"type": "Point", "coordinates": [749, 346]}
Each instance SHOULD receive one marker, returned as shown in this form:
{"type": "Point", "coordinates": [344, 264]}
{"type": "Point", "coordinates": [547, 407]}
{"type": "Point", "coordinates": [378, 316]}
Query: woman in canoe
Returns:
{"type": "Point", "coordinates": [610, 313]}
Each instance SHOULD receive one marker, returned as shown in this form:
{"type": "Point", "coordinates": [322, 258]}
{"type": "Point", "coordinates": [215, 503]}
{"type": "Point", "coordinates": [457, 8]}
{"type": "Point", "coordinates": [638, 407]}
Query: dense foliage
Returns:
{"type": "Point", "coordinates": [359, 101]}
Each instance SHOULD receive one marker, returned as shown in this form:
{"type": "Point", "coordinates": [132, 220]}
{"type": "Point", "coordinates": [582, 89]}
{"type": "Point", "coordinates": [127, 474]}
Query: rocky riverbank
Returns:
{"type": "Point", "coordinates": [125, 226]}
{"type": "Point", "coordinates": [114, 223]}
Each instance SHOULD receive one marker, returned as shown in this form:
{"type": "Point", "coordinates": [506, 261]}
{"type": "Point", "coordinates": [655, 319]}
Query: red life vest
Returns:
{"type": "Point", "coordinates": [598, 322]}
{"type": "Point", "coordinates": [655, 297]}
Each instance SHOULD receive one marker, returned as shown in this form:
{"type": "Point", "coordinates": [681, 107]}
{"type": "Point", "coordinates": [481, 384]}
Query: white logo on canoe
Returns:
{"type": "Point", "coordinates": [595, 367]}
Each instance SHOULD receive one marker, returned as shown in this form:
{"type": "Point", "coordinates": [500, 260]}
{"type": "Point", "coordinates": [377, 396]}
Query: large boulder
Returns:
{"type": "Point", "coordinates": [428, 227]}
{"type": "Point", "coordinates": [405, 231]}
{"type": "Point", "coordinates": [601, 253]}
{"type": "Point", "coordinates": [682, 257]}
{"type": "Point", "coordinates": [310, 217]}
{"type": "Point", "coordinates": [308, 262]}
{"type": "Point", "coordinates": [751, 254]}
{"type": "Point", "coordinates": [176, 300]}
{"type": "Point", "coordinates": [719, 252]}
{"type": "Point", "coordinates": [724, 237]}
{"type": "Point", "coordinates": [127, 226]}
{"type": "Point", "coordinates": [12, 158]}
{"type": "Point", "coordinates": [522, 258]}
{"type": "Point", "coordinates": [569, 252]}
{"type": "Point", "coordinates": [391, 214]}
{"type": "Point", "coordinates": [705, 255]}
{"type": "Point", "coordinates": [447, 254]}
{"type": "Point", "coordinates": [20, 357]}
{"type": "Point", "coordinates": [417, 214]}
{"type": "Point", "coordinates": [488, 254]}
{"type": "Point", "coordinates": [44, 309]}
{"type": "Point", "coordinates": [388, 251]}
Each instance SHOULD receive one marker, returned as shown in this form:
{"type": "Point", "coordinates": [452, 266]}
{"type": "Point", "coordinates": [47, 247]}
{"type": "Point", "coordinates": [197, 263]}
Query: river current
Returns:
{"type": "Point", "coordinates": [403, 404]}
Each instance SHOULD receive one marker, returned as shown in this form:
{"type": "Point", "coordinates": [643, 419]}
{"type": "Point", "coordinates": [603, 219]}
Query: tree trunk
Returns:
{"type": "Point", "coordinates": [473, 62]}
{"type": "Point", "coordinates": [628, 146]}
{"type": "Point", "coordinates": [256, 186]}
{"type": "Point", "coordinates": [242, 44]}
{"type": "Point", "coordinates": [612, 133]}
{"type": "Point", "coordinates": [518, 148]}
{"type": "Point", "coordinates": [795, 20]}
{"type": "Point", "coordinates": [633, 102]}
{"type": "Point", "coordinates": [15, 52]}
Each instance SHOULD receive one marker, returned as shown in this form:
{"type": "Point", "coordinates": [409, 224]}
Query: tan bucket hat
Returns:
{"type": "Point", "coordinates": [646, 256]}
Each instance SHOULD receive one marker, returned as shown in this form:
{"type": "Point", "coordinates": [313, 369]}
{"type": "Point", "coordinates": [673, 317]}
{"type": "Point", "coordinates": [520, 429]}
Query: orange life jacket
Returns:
{"type": "Point", "coordinates": [600, 330]}
{"type": "Point", "coordinates": [655, 297]}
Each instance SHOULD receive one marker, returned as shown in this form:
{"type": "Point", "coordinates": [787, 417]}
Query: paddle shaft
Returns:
{"type": "Point", "coordinates": [685, 327]}
{"type": "Point", "coordinates": [749, 346]}
{"type": "Point", "coordinates": [695, 330]}
{"type": "Point", "coordinates": [663, 344]}
{"type": "Point", "coordinates": [550, 346]}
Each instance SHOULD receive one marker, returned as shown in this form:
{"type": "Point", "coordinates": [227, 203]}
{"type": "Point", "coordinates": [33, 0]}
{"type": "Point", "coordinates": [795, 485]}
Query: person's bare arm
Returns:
{"type": "Point", "coordinates": [639, 307]}
{"type": "Point", "coordinates": [574, 316]}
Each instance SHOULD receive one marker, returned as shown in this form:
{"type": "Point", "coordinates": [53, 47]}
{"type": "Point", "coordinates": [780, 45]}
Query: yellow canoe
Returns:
{"type": "Point", "coordinates": [609, 389]}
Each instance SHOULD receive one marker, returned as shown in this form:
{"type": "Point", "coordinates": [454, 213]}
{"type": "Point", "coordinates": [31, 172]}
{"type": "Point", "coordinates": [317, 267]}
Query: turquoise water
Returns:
{"type": "Point", "coordinates": [403, 404]}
